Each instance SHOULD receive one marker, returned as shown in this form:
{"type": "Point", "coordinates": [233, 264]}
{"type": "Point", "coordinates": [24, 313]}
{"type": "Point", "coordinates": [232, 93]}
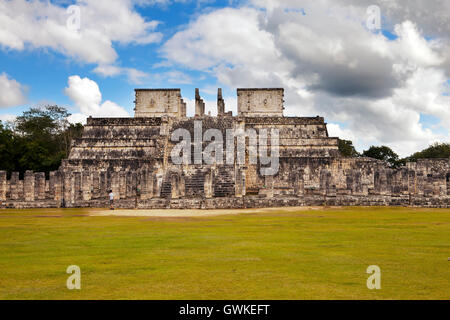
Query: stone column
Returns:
{"type": "Point", "coordinates": [86, 186]}
{"type": "Point", "coordinates": [199, 104]}
{"type": "Point", "coordinates": [3, 186]}
{"type": "Point", "coordinates": [147, 184]}
{"type": "Point", "coordinates": [95, 185]}
{"type": "Point", "coordinates": [300, 184]}
{"type": "Point", "coordinates": [108, 182]}
{"type": "Point", "coordinates": [20, 189]}
{"type": "Point", "coordinates": [103, 192]}
{"type": "Point", "coordinates": [174, 181]}
{"type": "Point", "coordinates": [68, 188]}
{"type": "Point", "coordinates": [354, 182]}
{"type": "Point", "coordinates": [65, 185]}
{"type": "Point", "coordinates": [39, 180]}
{"type": "Point", "coordinates": [122, 185]}
{"type": "Point", "coordinates": [28, 186]}
{"type": "Point", "coordinates": [143, 185]}
{"type": "Point", "coordinates": [380, 182]}
{"type": "Point", "coordinates": [220, 103]}
{"type": "Point", "coordinates": [115, 184]}
{"type": "Point", "coordinates": [130, 185]}
{"type": "Point", "coordinates": [239, 186]}
{"type": "Point", "coordinates": [182, 186]}
{"type": "Point", "coordinates": [55, 188]}
{"type": "Point", "coordinates": [349, 181]}
{"type": "Point", "coordinates": [208, 184]}
{"type": "Point", "coordinates": [268, 182]}
{"type": "Point", "coordinates": [448, 183]}
{"type": "Point", "coordinates": [157, 183]}
{"type": "Point", "coordinates": [14, 186]}
{"type": "Point", "coordinates": [77, 186]}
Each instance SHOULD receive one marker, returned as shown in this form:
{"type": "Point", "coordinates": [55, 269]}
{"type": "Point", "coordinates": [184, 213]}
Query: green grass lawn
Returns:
{"type": "Point", "coordinates": [283, 254]}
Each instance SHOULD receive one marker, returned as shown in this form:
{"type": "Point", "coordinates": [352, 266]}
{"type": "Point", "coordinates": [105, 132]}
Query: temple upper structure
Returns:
{"type": "Point", "coordinates": [261, 102]}
{"type": "Point", "coordinates": [139, 160]}
{"type": "Point", "coordinates": [251, 102]}
{"type": "Point", "coordinates": [158, 103]}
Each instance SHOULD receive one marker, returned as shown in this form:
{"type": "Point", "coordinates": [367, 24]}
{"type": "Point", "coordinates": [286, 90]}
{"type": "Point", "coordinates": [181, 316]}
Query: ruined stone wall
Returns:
{"type": "Point", "coordinates": [159, 102]}
{"type": "Point", "coordinates": [132, 157]}
{"type": "Point", "coordinates": [313, 181]}
{"type": "Point", "coordinates": [261, 102]}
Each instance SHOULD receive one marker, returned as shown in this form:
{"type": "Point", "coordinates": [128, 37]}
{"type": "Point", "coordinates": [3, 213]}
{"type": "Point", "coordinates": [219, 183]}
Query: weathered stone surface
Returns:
{"type": "Point", "coordinates": [39, 186]}
{"type": "Point", "coordinates": [260, 102]}
{"type": "Point", "coordinates": [159, 102]}
{"type": "Point", "coordinates": [131, 156]}
{"type": "Point", "coordinates": [3, 185]}
{"type": "Point", "coordinates": [28, 186]}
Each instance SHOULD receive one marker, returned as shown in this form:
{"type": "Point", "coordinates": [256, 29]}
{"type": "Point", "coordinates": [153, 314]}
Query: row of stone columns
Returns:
{"type": "Point", "coordinates": [87, 185]}
{"type": "Point", "coordinates": [146, 184]}
{"type": "Point", "coordinates": [33, 187]}
{"type": "Point", "coordinates": [3, 185]}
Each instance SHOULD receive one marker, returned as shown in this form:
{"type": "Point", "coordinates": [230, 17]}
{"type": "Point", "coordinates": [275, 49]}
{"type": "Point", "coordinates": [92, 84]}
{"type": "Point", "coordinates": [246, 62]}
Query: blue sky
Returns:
{"type": "Point", "coordinates": [385, 86]}
{"type": "Point", "coordinates": [44, 72]}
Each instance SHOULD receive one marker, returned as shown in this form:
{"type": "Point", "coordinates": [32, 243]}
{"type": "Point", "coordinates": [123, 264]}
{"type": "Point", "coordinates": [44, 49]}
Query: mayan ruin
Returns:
{"type": "Point", "coordinates": [131, 157]}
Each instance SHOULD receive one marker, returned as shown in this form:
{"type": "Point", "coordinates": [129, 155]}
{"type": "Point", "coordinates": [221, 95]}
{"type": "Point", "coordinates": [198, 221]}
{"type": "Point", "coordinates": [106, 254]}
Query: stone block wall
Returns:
{"type": "Point", "coordinates": [159, 102]}
{"type": "Point", "coordinates": [33, 191]}
{"type": "Point", "coordinates": [319, 181]}
{"type": "Point", "coordinates": [132, 157]}
{"type": "Point", "coordinates": [261, 102]}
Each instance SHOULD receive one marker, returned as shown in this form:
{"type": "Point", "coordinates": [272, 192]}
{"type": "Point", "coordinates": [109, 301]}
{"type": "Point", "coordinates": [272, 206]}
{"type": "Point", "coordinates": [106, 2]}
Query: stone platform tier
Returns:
{"type": "Point", "coordinates": [132, 157]}
{"type": "Point", "coordinates": [332, 181]}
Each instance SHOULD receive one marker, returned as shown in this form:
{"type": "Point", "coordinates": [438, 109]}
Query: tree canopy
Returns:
{"type": "Point", "coordinates": [37, 140]}
{"type": "Point", "coordinates": [434, 151]}
{"type": "Point", "coordinates": [437, 150]}
{"type": "Point", "coordinates": [347, 149]}
{"type": "Point", "coordinates": [382, 153]}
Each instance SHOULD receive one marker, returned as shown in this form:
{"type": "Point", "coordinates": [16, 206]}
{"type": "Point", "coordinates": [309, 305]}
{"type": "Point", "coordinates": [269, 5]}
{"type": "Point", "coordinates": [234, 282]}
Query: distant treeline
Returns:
{"type": "Point", "coordinates": [437, 150]}
{"type": "Point", "coordinates": [37, 140]}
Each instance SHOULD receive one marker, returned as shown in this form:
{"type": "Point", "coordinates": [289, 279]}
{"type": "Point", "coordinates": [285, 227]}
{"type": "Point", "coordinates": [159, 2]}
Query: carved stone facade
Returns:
{"type": "Point", "coordinates": [132, 157]}
{"type": "Point", "coordinates": [159, 102]}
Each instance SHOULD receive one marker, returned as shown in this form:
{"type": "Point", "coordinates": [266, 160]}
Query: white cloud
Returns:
{"type": "Point", "coordinates": [329, 64]}
{"type": "Point", "coordinates": [41, 24]}
{"type": "Point", "coordinates": [87, 97]}
{"type": "Point", "coordinates": [207, 42]}
{"type": "Point", "coordinates": [11, 92]}
{"type": "Point", "coordinates": [335, 130]}
{"type": "Point", "coordinates": [134, 76]}
{"type": "Point", "coordinates": [7, 117]}
{"type": "Point", "coordinates": [211, 106]}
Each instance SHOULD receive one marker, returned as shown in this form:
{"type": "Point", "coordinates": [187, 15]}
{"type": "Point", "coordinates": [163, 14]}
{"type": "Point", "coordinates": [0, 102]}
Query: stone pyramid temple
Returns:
{"type": "Point", "coordinates": [133, 158]}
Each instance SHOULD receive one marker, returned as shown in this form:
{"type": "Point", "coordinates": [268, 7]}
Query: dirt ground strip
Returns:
{"type": "Point", "coordinates": [187, 212]}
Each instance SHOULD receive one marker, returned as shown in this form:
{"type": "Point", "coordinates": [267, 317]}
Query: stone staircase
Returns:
{"type": "Point", "coordinates": [166, 189]}
{"type": "Point", "coordinates": [195, 185]}
{"type": "Point", "coordinates": [224, 182]}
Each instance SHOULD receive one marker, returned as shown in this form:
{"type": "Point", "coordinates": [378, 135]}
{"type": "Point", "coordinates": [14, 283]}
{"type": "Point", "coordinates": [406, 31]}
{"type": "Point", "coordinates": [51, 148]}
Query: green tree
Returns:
{"type": "Point", "coordinates": [6, 148]}
{"type": "Point", "coordinates": [382, 153]}
{"type": "Point", "coordinates": [347, 149]}
{"type": "Point", "coordinates": [39, 140]}
{"type": "Point", "coordinates": [437, 150]}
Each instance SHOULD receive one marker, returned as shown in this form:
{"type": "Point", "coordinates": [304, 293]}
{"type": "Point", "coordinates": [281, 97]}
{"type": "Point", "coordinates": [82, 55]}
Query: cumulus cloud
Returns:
{"type": "Point", "coordinates": [42, 24]}
{"type": "Point", "coordinates": [7, 118]}
{"type": "Point", "coordinates": [87, 97]}
{"type": "Point", "coordinates": [12, 93]}
{"type": "Point", "coordinates": [134, 76]}
{"type": "Point", "coordinates": [330, 64]}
